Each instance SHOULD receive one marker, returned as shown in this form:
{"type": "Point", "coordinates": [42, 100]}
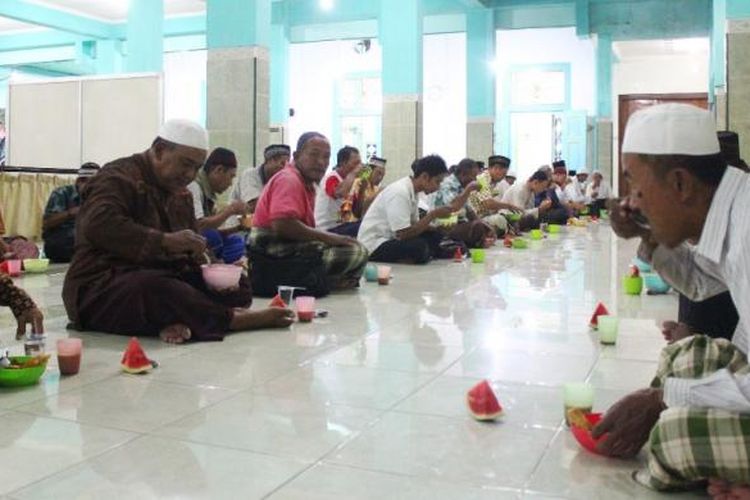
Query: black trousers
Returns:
{"type": "Point", "coordinates": [59, 248]}
{"type": "Point", "coordinates": [716, 317]}
{"type": "Point", "coordinates": [347, 229]}
{"type": "Point", "coordinates": [419, 250]}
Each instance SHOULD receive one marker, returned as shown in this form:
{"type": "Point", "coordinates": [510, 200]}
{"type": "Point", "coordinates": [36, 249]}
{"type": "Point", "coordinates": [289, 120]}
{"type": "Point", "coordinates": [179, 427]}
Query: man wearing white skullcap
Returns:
{"type": "Point", "coordinates": [136, 268]}
{"type": "Point", "coordinates": [690, 209]}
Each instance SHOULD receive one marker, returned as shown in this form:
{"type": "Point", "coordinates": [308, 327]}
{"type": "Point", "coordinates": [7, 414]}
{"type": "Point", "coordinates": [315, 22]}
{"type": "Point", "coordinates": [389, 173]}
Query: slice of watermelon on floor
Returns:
{"type": "Point", "coordinates": [134, 359]}
{"type": "Point", "coordinates": [277, 301]}
{"type": "Point", "coordinates": [601, 310]}
{"type": "Point", "coordinates": [483, 403]}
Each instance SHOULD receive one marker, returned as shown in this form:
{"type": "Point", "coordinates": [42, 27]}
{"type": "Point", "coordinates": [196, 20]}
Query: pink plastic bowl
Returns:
{"type": "Point", "coordinates": [221, 276]}
{"type": "Point", "coordinates": [583, 436]}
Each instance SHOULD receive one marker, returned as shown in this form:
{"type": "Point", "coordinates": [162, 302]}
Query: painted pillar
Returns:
{"type": "Point", "coordinates": [480, 83]}
{"type": "Point", "coordinates": [738, 80]}
{"type": "Point", "coordinates": [145, 36]}
{"type": "Point", "coordinates": [108, 58]}
{"type": "Point", "coordinates": [279, 83]}
{"type": "Point", "coordinates": [604, 138]}
{"type": "Point", "coordinates": [717, 76]}
{"type": "Point", "coordinates": [238, 36]}
{"type": "Point", "coordinates": [400, 29]}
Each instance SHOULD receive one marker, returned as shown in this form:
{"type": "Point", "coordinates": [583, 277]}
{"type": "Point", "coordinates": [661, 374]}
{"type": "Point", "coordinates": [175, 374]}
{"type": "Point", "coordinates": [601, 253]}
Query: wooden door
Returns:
{"type": "Point", "coordinates": [630, 103]}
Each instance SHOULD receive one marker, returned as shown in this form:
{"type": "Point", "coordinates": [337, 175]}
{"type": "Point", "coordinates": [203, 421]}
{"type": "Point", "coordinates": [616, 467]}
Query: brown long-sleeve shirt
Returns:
{"type": "Point", "coordinates": [120, 227]}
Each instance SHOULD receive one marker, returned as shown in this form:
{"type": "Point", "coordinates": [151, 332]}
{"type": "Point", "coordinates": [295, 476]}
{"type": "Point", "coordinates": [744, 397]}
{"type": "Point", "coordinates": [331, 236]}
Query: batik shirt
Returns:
{"type": "Point", "coordinates": [61, 200]}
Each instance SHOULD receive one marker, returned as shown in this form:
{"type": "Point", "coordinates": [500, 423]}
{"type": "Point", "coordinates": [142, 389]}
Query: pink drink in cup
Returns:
{"type": "Point", "coordinates": [384, 275]}
{"type": "Point", "coordinates": [69, 355]}
{"type": "Point", "coordinates": [305, 308]}
{"type": "Point", "coordinates": [14, 267]}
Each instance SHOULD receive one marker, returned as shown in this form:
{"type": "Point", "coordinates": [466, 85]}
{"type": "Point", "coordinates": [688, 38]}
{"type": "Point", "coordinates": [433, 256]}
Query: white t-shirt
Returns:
{"type": "Point", "coordinates": [602, 192]}
{"type": "Point", "coordinates": [574, 192]}
{"type": "Point", "coordinates": [249, 186]}
{"type": "Point", "coordinates": [395, 209]}
{"type": "Point", "coordinates": [197, 192]}
{"type": "Point", "coordinates": [327, 208]}
{"type": "Point", "coordinates": [521, 196]}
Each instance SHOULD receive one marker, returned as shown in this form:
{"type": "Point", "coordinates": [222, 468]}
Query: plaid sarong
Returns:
{"type": "Point", "coordinates": [690, 445]}
{"type": "Point", "coordinates": [343, 265]}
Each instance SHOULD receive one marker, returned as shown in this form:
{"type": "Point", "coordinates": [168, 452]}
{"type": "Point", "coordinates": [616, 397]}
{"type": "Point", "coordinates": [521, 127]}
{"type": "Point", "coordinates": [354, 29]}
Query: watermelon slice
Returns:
{"type": "Point", "coordinates": [508, 242]}
{"type": "Point", "coordinates": [134, 360]}
{"type": "Point", "coordinates": [482, 402]}
{"type": "Point", "coordinates": [458, 256]}
{"type": "Point", "coordinates": [634, 272]}
{"type": "Point", "coordinates": [601, 310]}
{"type": "Point", "coordinates": [277, 301]}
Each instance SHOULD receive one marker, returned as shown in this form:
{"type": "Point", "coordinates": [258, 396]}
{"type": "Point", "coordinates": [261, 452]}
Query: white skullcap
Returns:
{"type": "Point", "coordinates": [671, 129]}
{"type": "Point", "coordinates": [185, 133]}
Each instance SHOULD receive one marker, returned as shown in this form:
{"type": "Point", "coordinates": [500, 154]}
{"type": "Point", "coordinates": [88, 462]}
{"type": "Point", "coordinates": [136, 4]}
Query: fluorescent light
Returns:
{"type": "Point", "coordinates": [326, 4]}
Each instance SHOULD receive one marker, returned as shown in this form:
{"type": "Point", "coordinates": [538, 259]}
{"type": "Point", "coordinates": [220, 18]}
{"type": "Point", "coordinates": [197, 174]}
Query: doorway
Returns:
{"type": "Point", "coordinates": [630, 103]}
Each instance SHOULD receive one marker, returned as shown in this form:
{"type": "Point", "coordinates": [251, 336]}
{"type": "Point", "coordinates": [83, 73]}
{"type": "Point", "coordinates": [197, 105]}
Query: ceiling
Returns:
{"type": "Point", "coordinates": [117, 10]}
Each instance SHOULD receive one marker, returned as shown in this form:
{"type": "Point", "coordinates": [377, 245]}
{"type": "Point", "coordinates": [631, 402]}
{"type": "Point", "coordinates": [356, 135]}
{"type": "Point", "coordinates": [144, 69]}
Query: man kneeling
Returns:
{"type": "Point", "coordinates": [135, 269]}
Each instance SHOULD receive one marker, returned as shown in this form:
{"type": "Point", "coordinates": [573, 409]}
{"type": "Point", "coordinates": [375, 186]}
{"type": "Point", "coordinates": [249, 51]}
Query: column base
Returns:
{"type": "Point", "coordinates": [237, 111]}
{"type": "Point", "coordinates": [402, 133]}
{"type": "Point", "coordinates": [480, 138]}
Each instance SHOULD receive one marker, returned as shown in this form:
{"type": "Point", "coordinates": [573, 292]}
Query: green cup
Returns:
{"type": "Point", "coordinates": [520, 243]}
{"type": "Point", "coordinates": [536, 234]}
{"type": "Point", "coordinates": [578, 395]}
{"type": "Point", "coordinates": [477, 255]}
{"type": "Point", "coordinates": [633, 285]}
{"type": "Point", "coordinates": [554, 228]}
{"type": "Point", "coordinates": [608, 328]}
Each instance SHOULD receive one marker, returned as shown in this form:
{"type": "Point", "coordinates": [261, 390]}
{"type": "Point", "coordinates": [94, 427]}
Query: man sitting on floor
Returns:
{"type": "Point", "coordinates": [522, 195]}
{"type": "Point", "coordinates": [392, 230]}
{"type": "Point", "coordinates": [59, 223]}
{"type": "Point", "coordinates": [598, 192]}
{"type": "Point", "coordinates": [253, 180]}
{"type": "Point", "coordinates": [213, 179]}
{"type": "Point", "coordinates": [366, 188]}
{"type": "Point", "coordinates": [487, 201]}
{"type": "Point", "coordinates": [455, 191]}
{"type": "Point", "coordinates": [560, 183]}
{"type": "Point", "coordinates": [284, 225]}
{"type": "Point", "coordinates": [696, 415]}
{"type": "Point", "coordinates": [334, 191]}
{"type": "Point", "coordinates": [135, 270]}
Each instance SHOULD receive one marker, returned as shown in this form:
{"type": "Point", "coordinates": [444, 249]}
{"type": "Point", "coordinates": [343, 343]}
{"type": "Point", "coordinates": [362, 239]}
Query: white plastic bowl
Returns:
{"type": "Point", "coordinates": [221, 276]}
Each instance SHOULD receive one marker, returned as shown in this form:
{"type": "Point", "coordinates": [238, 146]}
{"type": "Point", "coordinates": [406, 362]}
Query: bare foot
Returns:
{"type": "Point", "coordinates": [175, 334]}
{"type": "Point", "coordinates": [724, 490]}
{"type": "Point", "coordinates": [673, 331]}
{"type": "Point", "coordinates": [273, 317]}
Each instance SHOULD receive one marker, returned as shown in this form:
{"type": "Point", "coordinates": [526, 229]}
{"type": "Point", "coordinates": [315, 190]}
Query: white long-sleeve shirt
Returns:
{"type": "Point", "coordinates": [521, 195]}
{"type": "Point", "coordinates": [720, 261]}
{"type": "Point", "coordinates": [600, 192]}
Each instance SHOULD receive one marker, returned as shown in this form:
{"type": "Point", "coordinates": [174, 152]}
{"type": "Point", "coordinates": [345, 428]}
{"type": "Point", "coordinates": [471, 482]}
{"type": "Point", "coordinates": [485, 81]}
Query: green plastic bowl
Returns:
{"type": "Point", "coordinates": [536, 234]}
{"type": "Point", "coordinates": [19, 377]}
{"type": "Point", "coordinates": [477, 255]}
{"type": "Point", "coordinates": [554, 228]}
{"type": "Point", "coordinates": [632, 285]}
{"type": "Point", "coordinates": [514, 217]}
{"type": "Point", "coordinates": [520, 243]}
{"type": "Point", "coordinates": [35, 265]}
{"type": "Point", "coordinates": [604, 214]}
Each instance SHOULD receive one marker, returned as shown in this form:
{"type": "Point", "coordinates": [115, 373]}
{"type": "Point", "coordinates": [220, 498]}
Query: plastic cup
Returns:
{"type": "Point", "coordinates": [578, 395]}
{"type": "Point", "coordinates": [477, 255]}
{"type": "Point", "coordinates": [536, 234]}
{"type": "Point", "coordinates": [371, 272]}
{"type": "Point", "coordinates": [633, 285]}
{"type": "Point", "coordinates": [286, 293]}
{"type": "Point", "coordinates": [384, 275]}
{"type": "Point", "coordinates": [305, 308]}
{"type": "Point", "coordinates": [608, 328]}
{"type": "Point", "coordinates": [554, 228]}
{"type": "Point", "coordinates": [14, 267]}
{"type": "Point", "coordinates": [69, 356]}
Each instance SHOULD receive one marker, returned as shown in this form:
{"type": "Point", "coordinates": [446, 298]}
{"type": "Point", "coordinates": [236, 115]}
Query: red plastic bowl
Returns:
{"type": "Point", "coordinates": [583, 436]}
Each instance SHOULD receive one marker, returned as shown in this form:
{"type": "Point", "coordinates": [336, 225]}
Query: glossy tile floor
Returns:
{"type": "Point", "coordinates": [369, 403]}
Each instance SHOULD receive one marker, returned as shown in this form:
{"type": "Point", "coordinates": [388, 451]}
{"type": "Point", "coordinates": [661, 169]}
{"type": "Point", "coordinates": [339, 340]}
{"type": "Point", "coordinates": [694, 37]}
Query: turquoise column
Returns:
{"type": "Point", "coordinates": [480, 83]}
{"type": "Point", "coordinates": [238, 36]}
{"type": "Point", "coordinates": [145, 36]}
{"type": "Point", "coordinates": [717, 80]}
{"type": "Point", "coordinates": [279, 74]}
{"type": "Point", "coordinates": [604, 140]}
{"type": "Point", "coordinates": [400, 31]}
{"type": "Point", "coordinates": [108, 57]}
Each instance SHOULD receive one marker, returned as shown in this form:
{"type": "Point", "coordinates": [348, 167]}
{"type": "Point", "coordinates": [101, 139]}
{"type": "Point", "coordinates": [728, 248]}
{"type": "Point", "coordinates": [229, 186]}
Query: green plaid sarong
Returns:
{"type": "Point", "coordinates": [689, 445]}
{"type": "Point", "coordinates": [344, 265]}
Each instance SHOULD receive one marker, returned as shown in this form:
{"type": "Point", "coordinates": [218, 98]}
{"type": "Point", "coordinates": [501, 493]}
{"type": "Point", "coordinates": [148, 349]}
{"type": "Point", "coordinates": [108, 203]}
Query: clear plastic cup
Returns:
{"type": "Point", "coordinates": [305, 308]}
{"type": "Point", "coordinates": [608, 328]}
{"type": "Point", "coordinates": [286, 293]}
{"type": "Point", "coordinates": [384, 275]}
{"type": "Point", "coordinates": [578, 395]}
{"type": "Point", "coordinates": [69, 355]}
